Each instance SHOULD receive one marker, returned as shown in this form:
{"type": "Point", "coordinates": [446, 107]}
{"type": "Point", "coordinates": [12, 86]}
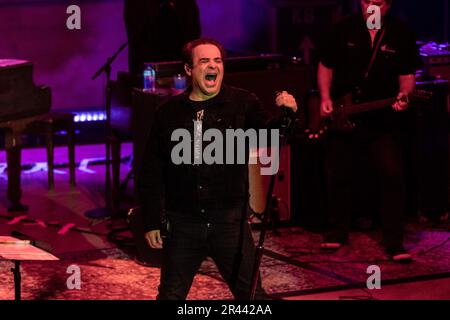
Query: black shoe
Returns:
{"type": "Point", "coordinates": [399, 254]}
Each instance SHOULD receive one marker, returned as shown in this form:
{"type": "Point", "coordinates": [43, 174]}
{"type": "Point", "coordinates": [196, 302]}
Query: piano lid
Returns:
{"type": "Point", "coordinates": [13, 63]}
{"type": "Point", "coordinates": [19, 97]}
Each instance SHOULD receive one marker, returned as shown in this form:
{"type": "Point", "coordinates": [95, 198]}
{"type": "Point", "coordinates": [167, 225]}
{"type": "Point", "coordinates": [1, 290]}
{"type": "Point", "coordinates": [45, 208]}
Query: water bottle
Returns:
{"type": "Point", "coordinates": [178, 84]}
{"type": "Point", "coordinates": [149, 78]}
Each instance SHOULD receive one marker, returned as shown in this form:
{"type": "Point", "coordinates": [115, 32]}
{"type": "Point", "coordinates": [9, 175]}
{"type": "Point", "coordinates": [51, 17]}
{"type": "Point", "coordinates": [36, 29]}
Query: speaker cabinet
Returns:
{"type": "Point", "coordinates": [433, 150]}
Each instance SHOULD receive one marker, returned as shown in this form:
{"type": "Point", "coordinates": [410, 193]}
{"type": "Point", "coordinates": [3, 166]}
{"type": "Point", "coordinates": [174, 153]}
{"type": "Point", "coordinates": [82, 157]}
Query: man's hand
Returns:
{"type": "Point", "coordinates": [154, 239]}
{"type": "Point", "coordinates": [284, 99]}
{"type": "Point", "coordinates": [402, 102]}
{"type": "Point", "coordinates": [326, 107]}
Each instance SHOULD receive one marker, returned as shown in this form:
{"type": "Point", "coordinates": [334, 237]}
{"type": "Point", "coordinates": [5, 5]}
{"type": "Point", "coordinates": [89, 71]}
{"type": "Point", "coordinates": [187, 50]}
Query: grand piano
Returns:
{"type": "Point", "coordinates": [21, 103]}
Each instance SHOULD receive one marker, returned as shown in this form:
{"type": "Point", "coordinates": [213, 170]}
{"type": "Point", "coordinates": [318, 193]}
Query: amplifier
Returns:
{"type": "Point", "coordinates": [281, 195]}
{"type": "Point", "coordinates": [432, 163]}
{"type": "Point", "coordinates": [436, 58]}
{"type": "Point", "coordinates": [259, 62]}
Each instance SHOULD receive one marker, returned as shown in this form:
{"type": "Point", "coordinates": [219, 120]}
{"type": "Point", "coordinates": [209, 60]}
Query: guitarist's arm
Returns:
{"type": "Point", "coordinates": [407, 86]}
{"type": "Point", "coordinates": [324, 79]}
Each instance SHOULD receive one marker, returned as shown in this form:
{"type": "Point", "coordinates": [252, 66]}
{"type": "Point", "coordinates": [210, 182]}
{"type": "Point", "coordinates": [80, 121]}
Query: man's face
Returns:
{"type": "Point", "coordinates": [384, 7]}
{"type": "Point", "coordinates": [206, 71]}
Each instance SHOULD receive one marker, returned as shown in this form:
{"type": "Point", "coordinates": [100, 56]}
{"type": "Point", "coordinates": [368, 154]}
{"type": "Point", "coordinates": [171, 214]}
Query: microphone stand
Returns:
{"type": "Point", "coordinates": [284, 135]}
{"type": "Point", "coordinates": [103, 213]}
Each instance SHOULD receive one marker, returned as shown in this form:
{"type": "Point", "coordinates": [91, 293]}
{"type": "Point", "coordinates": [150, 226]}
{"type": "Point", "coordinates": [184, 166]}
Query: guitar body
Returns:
{"type": "Point", "coordinates": [343, 110]}
{"type": "Point", "coordinates": [339, 118]}
{"type": "Point", "coordinates": [337, 121]}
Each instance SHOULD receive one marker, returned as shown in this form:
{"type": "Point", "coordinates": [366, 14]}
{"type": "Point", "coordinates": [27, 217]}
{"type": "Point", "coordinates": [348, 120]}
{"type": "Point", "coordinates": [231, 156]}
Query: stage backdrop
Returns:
{"type": "Point", "coordinates": [65, 60]}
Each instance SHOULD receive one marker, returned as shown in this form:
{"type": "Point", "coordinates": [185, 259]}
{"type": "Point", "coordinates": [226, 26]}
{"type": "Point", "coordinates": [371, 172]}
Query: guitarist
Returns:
{"type": "Point", "coordinates": [373, 65]}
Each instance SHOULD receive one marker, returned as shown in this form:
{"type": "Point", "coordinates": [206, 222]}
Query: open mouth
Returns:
{"type": "Point", "coordinates": [211, 77]}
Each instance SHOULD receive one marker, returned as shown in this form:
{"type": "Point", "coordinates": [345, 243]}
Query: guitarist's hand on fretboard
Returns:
{"type": "Point", "coordinates": [401, 103]}
{"type": "Point", "coordinates": [337, 115]}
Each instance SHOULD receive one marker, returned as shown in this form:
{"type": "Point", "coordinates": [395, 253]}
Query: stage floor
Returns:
{"type": "Point", "coordinates": [292, 268]}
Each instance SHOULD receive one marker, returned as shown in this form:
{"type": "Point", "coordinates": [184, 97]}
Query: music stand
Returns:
{"type": "Point", "coordinates": [17, 250]}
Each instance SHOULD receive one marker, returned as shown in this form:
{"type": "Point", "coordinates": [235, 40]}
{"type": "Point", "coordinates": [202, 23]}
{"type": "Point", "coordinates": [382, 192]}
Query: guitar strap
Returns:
{"type": "Point", "coordinates": [375, 52]}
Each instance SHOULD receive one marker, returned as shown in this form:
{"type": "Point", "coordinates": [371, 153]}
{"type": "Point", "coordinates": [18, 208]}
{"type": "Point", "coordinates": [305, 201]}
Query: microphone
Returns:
{"type": "Point", "coordinates": [286, 112]}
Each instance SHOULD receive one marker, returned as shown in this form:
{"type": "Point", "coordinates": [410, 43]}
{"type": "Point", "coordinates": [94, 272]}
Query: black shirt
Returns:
{"type": "Point", "coordinates": [348, 50]}
{"type": "Point", "coordinates": [198, 192]}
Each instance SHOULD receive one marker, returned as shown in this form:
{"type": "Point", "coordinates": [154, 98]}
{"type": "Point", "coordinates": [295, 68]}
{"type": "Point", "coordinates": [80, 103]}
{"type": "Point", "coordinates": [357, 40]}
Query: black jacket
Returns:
{"type": "Point", "coordinates": [197, 192]}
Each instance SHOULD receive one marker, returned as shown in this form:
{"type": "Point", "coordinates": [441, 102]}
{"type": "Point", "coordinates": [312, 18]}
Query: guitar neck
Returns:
{"type": "Point", "coordinates": [369, 106]}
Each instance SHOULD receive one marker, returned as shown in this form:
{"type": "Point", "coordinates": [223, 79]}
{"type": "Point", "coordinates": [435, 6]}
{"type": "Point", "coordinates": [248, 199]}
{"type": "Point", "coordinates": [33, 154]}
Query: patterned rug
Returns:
{"type": "Point", "coordinates": [293, 264]}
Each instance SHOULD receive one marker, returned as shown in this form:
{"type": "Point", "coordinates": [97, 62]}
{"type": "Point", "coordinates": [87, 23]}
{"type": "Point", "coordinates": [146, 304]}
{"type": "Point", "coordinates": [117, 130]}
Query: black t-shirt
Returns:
{"type": "Point", "coordinates": [201, 105]}
{"type": "Point", "coordinates": [348, 49]}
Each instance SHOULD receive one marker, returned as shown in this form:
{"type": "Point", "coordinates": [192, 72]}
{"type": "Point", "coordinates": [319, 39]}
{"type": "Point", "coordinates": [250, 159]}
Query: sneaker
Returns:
{"type": "Point", "coordinates": [399, 254]}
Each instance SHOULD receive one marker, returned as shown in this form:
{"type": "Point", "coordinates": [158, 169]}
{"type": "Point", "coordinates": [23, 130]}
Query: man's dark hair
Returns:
{"type": "Point", "coordinates": [190, 46]}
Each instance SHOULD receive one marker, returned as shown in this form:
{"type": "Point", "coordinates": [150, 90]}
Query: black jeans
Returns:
{"type": "Point", "coordinates": [230, 245]}
{"type": "Point", "coordinates": [347, 151]}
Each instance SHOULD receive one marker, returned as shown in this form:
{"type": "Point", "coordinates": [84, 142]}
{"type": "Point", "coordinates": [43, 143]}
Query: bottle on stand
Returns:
{"type": "Point", "coordinates": [179, 84]}
{"type": "Point", "coordinates": [149, 78]}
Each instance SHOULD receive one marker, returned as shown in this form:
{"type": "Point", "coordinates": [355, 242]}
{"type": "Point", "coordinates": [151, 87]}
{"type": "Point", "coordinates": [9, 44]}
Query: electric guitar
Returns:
{"type": "Point", "coordinates": [344, 108]}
